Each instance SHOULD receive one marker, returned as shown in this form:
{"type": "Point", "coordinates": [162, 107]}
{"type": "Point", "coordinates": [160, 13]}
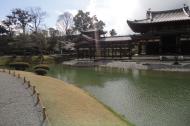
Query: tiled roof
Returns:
{"type": "Point", "coordinates": [116, 38]}
{"type": "Point", "coordinates": [110, 39]}
{"type": "Point", "coordinates": [88, 37]}
{"type": "Point", "coordinates": [165, 16]}
{"type": "Point", "coordinates": [93, 30]}
{"type": "Point", "coordinates": [104, 39]}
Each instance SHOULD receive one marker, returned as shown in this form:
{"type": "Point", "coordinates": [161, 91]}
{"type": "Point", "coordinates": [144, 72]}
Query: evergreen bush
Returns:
{"type": "Point", "coordinates": [40, 71]}
{"type": "Point", "coordinates": [42, 66]}
{"type": "Point", "coordinates": [19, 65]}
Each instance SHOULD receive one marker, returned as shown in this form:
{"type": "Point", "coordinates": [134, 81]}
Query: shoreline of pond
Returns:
{"type": "Point", "coordinates": [138, 65]}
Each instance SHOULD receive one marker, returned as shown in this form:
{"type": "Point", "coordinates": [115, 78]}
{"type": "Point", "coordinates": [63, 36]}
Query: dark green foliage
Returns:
{"type": "Point", "coordinates": [41, 71]}
{"type": "Point", "coordinates": [3, 30]}
{"type": "Point", "coordinates": [42, 66]}
{"type": "Point", "coordinates": [99, 24]}
{"type": "Point", "coordinates": [113, 32]}
{"type": "Point", "coordinates": [19, 65]}
{"type": "Point", "coordinates": [84, 22]}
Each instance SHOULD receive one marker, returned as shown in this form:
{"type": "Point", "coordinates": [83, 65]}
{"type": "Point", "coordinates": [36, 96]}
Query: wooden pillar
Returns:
{"type": "Point", "coordinates": [86, 53]}
{"type": "Point", "coordinates": [115, 51]}
{"type": "Point", "coordinates": [104, 50]}
{"type": "Point", "coordinates": [90, 56]}
{"type": "Point", "coordinates": [123, 51]}
{"type": "Point", "coordinates": [82, 53]}
{"type": "Point", "coordinates": [120, 51]}
{"type": "Point", "coordinates": [139, 48]}
{"type": "Point", "coordinates": [160, 47]}
{"type": "Point", "coordinates": [77, 53]}
{"type": "Point", "coordinates": [112, 51]}
{"type": "Point", "coordinates": [143, 52]}
{"type": "Point", "coordinates": [178, 45]}
{"type": "Point", "coordinates": [108, 52]}
{"type": "Point", "coordinates": [94, 53]}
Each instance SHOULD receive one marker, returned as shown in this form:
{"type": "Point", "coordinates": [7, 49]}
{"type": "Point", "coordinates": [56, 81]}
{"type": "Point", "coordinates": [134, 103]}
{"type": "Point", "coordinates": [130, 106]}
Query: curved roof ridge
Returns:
{"type": "Point", "coordinates": [87, 37]}
{"type": "Point", "coordinates": [117, 36]}
{"type": "Point", "coordinates": [141, 20]}
{"type": "Point", "coordinates": [167, 11]}
{"type": "Point", "coordinates": [186, 11]}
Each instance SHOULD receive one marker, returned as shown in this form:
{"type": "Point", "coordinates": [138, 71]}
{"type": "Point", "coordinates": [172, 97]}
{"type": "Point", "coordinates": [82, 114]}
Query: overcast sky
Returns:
{"type": "Point", "coordinates": [113, 12]}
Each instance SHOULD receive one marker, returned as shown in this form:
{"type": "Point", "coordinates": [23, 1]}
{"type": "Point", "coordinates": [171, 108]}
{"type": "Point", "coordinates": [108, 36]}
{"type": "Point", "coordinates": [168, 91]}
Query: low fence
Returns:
{"type": "Point", "coordinates": [43, 117]}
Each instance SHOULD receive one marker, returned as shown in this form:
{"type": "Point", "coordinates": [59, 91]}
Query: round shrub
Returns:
{"type": "Point", "coordinates": [19, 65]}
{"type": "Point", "coordinates": [42, 66]}
{"type": "Point", "coordinates": [41, 71]}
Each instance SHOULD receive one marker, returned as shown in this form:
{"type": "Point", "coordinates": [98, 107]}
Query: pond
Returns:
{"type": "Point", "coordinates": [145, 98]}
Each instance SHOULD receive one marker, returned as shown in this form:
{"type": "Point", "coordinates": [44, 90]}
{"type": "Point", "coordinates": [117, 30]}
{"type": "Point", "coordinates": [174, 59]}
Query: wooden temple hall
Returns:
{"type": "Point", "coordinates": [92, 44]}
{"type": "Point", "coordinates": [160, 33]}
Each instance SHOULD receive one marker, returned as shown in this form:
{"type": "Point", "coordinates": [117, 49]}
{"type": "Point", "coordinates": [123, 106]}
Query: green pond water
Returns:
{"type": "Point", "coordinates": [145, 98]}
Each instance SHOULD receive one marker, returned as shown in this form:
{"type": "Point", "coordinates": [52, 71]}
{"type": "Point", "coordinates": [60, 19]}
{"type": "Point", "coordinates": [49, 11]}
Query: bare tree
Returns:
{"type": "Point", "coordinates": [9, 23]}
{"type": "Point", "coordinates": [37, 18]}
{"type": "Point", "coordinates": [22, 18]}
{"type": "Point", "coordinates": [65, 22]}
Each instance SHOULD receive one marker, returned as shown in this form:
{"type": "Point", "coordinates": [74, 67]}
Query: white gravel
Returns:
{"type": "Point", "coordinates": [16, 103]}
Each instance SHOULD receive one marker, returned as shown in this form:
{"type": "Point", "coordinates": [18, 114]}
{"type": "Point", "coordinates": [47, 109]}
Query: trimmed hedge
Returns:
{"type": "Point", "coordinates": [19, 65]}
{"type": "Point", "coordinates": [42, 66]}
{"type": "Point", "coordinates": [41, 71]}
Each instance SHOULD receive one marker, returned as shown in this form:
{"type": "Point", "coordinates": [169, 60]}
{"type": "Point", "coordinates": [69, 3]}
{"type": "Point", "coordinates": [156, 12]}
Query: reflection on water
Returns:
{"type": "Point", "coordinates": [145, 98]}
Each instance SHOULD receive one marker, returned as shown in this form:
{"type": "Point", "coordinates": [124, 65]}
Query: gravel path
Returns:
{"type": "Point", "coordinates": [16, 104]}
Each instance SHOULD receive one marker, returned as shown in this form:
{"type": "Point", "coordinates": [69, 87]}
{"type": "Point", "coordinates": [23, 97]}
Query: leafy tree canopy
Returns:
{"type": "Point", "coordinates": [83, 21]}
{"type": "Point", "coordinates": [113, 32]}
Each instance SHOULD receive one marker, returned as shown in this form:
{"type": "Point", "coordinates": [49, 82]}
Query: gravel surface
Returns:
{"type": "Point", "coordinates": [16, 104]}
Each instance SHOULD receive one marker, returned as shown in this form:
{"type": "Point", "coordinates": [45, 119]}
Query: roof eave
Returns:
{"type": "Point", "coordinates": [133, 24]}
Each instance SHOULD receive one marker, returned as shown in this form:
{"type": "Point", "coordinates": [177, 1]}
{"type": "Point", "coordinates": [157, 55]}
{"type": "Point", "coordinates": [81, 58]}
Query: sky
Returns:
{"type": "Point", "coordinates": [114, 13]}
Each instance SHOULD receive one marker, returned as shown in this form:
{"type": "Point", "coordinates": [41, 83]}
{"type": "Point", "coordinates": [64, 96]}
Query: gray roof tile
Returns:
{"type": "Point", "coordinates": [116, 38]}
{"type": "Point", "coordinates": [166, 16]}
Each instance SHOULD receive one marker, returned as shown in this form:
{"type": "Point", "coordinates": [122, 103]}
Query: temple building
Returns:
{"type": "Point", "coordinates": [163, 32]}
{"type": "Point", "coordinates": [93, 44]}
{"type": "Point", "coordinates": [160, 33]}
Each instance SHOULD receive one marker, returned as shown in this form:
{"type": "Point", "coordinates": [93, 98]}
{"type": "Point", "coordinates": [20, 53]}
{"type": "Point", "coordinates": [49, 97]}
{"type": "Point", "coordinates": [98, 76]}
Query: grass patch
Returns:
{"type": "Point", "coordinates": [68, 105]}
{"type": "Point", "coordinates": [3, 61]}
{"type": "Point", "coordinates": [114, 112]}
{"type": "Point", "coordinates": [110, 109]}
